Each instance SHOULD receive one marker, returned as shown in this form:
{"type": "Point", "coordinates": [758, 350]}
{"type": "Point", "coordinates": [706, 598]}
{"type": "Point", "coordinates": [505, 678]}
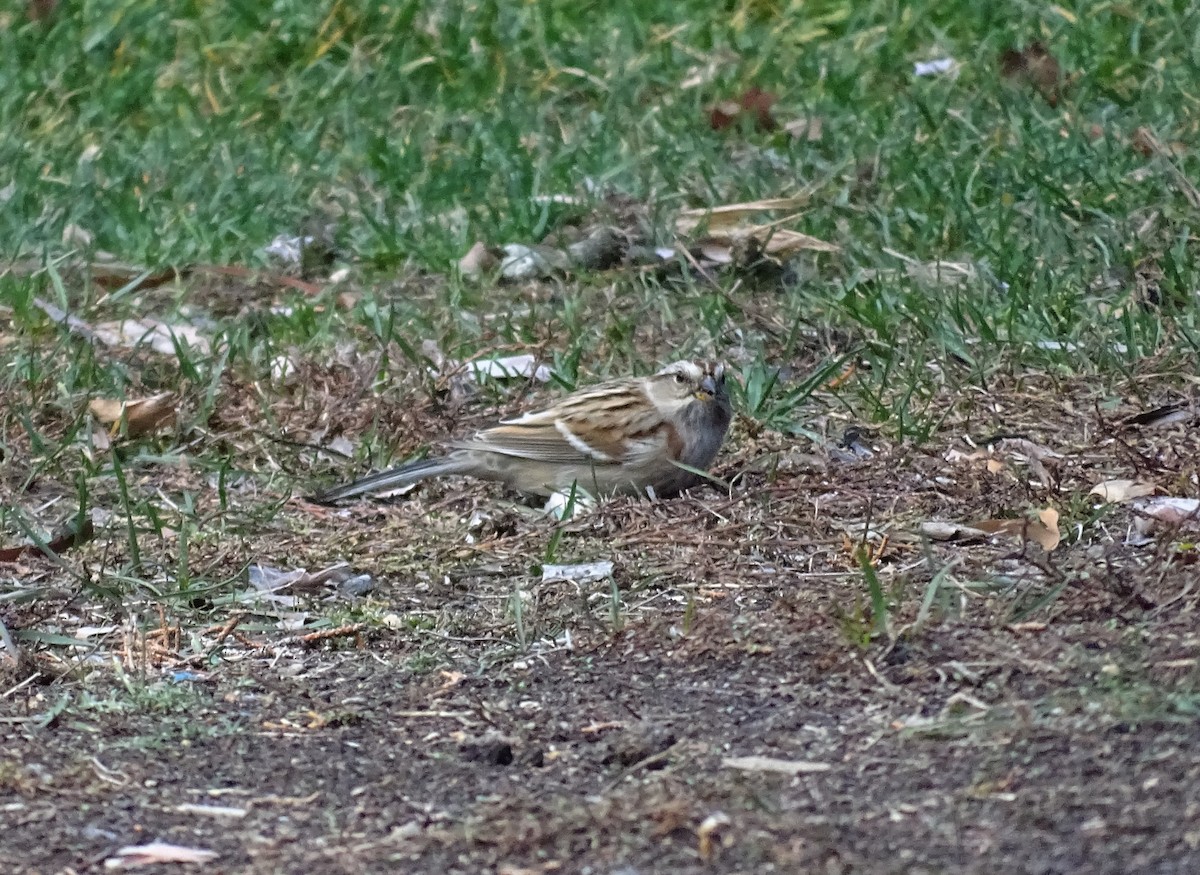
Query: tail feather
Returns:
{"type": "Point", "coordinates": [393, 478]}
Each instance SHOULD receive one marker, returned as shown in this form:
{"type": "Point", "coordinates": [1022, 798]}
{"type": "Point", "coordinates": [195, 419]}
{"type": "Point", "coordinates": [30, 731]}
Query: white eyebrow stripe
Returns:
{"type": "Point", "coordinates": [579, 444]}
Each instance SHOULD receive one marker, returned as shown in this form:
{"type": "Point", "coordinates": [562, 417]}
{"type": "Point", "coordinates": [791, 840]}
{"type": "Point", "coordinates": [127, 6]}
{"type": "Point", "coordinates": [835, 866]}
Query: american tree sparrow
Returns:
{"type": "Point", "coordinates": [643, 435]}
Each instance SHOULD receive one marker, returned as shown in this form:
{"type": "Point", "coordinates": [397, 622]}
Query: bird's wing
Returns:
{"type": "Point", "coordinates": [543, 437]}
{"type": "Point", "coordinates": [568, 432]}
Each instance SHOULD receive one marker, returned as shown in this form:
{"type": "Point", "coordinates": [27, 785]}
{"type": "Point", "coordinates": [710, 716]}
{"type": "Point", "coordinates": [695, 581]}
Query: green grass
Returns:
{"type": "Point", "coordinates": [434, 125]}
{"type": "Point", "coordinates": [177, 132]}
{"type": "Point", "coordinates": [795, 611]}
{"type": "Point", "coordinates": [187, 132]}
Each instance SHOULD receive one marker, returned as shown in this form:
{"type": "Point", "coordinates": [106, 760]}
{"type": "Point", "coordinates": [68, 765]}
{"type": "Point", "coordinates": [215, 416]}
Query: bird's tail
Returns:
{"type": "Point", "coordinates": [393, 478]}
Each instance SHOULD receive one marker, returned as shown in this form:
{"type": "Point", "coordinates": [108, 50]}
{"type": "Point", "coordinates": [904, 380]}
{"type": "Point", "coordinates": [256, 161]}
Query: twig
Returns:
{"type": "Point", "coordinates": [323, 634]}
{"type": "Point", "coordinates": [226, 630]}
{"type": "Point", "coordinates": [33, 677]}
{"type": "Point", "coordinates": [654, 759]}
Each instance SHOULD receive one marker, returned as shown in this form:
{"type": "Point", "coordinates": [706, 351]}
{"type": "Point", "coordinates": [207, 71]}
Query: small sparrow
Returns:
{"type": "Point", "coordinates": [643, 435]}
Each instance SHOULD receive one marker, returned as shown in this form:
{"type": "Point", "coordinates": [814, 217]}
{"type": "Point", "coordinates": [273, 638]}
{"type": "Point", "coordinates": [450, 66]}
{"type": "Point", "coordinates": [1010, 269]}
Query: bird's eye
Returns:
{"type": "Point", "coordinates": [680, 378]}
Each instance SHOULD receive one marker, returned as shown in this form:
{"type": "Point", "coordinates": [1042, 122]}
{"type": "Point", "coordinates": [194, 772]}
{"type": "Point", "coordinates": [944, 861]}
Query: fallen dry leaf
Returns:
{"type": "Point", "coordinates": [724, 228]}
{"type": "Point", "coordinates": [231, 811]}
{"type": "Point", "coordinates": [1117, 491]}
{"type": "Point", "coordinates": [728, 215]}
{"type": "Point", "coordinates": [932, 273]}
{"type": "Point", "coordinates": [754, 103]}
{"type": "Point", "coordinates": [522, 366]}
{"type": "Point", "coordinates": [479, 261]}
{"type": "Point", "coordinates": [73, 535]}
{"type": "Point", "coordinates": [77, 235]}
{"type": "Point", "coordinates": [1028, 449]}
{"type": "Point", "coordinates": [56, 314]}
{"type": "Point", "coordinates": [808, 128]}
{"type": "Point", "coordinates": [159, 336]}
{"type": "Point", "coordinates": [1048, 517]}
{"type": "Point", "coordinates": [781, 242]}
{"type": "Point", "coordinates": [1167, 415]}
{"type": "Point", "coordinates": [10, 654]}
{"type": "Point", "coordinates": [521, 262]}
{"type": "Point", "coordinates": [771, 764]}
{"type": "Point", "coordinates": [716, 252]}
{"type": "Point", "coordinates": [136, 856]}
{"type": "Point", "coordinates": [1041, 528]}
{"type": "Point", "coordinates": [1039, 459]}
{"type": "Point", "coordinates": [709, 832]}
{"type": "Point", "coordinates": [1167, 511]}
{"type": "Point", "coordinates": [769, 240]}
{"type": "Point", "coordinates": [940, 530]}
{"type": "Point", "coordinates": [135, 418]}
{"type": "Point", "coordinates": [1034, 64]}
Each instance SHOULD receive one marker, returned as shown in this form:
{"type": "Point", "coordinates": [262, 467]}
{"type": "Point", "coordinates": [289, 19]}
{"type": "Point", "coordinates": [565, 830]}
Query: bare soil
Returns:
{"type": "Point", "coordinates": [1014, 711]}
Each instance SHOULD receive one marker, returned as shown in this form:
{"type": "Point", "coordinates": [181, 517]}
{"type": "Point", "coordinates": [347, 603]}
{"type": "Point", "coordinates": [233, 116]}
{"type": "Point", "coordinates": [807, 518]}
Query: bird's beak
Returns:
{"type": "Point", "coordinates": [708, 388]}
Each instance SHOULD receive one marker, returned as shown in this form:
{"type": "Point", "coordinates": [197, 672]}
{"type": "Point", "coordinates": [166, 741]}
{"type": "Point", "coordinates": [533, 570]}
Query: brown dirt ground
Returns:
{"type": "Point", "coordinates": [1041, 719]}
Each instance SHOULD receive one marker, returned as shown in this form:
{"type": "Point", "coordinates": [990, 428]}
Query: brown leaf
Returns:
{"type": "Point", "coordinates": [76, 533]}
{"type": "Point", "coordinates": [781, 242]}
{"type": "Point", "coordinates": [726, 232]}
{"type": "Point", "coordinates": [754, 103]}
{"type": "Point", "coordinates": [1035, 65]}
{"type": "Point", "coordinates": [137, 418]}
{"type": "Point", "coordinates": [1041, 528]}
{"type": "Point", "coordinates": [1047, 535]}
{"type": "Point", "coordinates": [723, 114]}
{"type": "Point", "coordinates": [758, 103]}
{"type": "Point", "coordinates": [478, 261]}
{"type": "Point", "coordinates": [730, 215]}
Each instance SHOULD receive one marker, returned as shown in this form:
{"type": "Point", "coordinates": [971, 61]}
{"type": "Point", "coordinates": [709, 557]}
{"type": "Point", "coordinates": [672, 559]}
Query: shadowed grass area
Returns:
{"type": "Point", "coordinates": [991, 223]}
{"type": "Point", "coordinates": [1017, 263]}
